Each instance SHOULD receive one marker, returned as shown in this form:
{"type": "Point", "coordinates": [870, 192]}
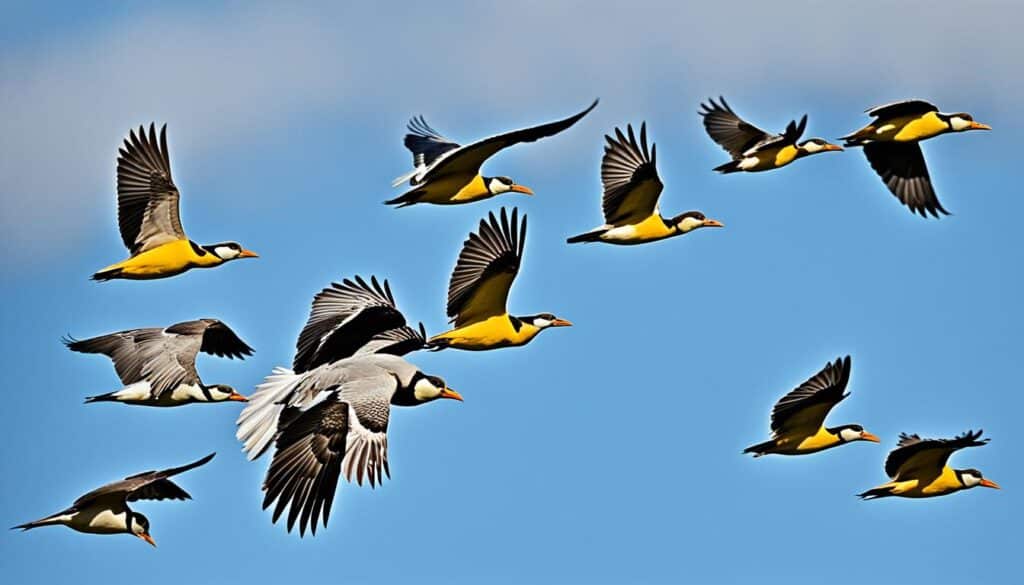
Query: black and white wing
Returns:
{"type": "Point", "coordinates": [217, 338]}
{"type": "Point", "coordinates": [427, 146]}
{"type": "Point", "coordinates": [147, 355]}
{"type": "Point", "coordinates": [902, 168]}
{"type": "Point", "coordinates": [735, 135]}
{"type": "Point", "coordinates": [900, 109]}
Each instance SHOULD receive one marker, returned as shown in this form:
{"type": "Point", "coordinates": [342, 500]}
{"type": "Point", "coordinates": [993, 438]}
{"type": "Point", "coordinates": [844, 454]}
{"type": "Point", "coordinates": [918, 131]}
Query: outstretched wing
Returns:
{"type": "Point", "coordinates": [903, 170]}
{"type": "Point", "coordinates": [398, 341]}
{"type": "Point", "coordinates": [916, 458]}
{"type": "Point", "coordinates": [147, 200]}
{"type": "Point", "coordinates": [344, 318]}
{"type": "Point", "coordinates": [486, 268]}
{"type": "Point", "coordinates": [148, 485]}
{"type": "Point", "coordinates": [630, 178]}
{"type": "Point", "coordinates": [900, 109]}
{"type": "Point", "coordinates": [468, 159]}
{"type": "Point", "coordinates": [217, 338]}
{"type": "Point", "coordinates": [158, 356]}
{"type": "Point", "coordinates": [804, 409]}
{"type": "Point", "coordinates": [426, 144]}
{"type": "Point", "coordinates": [731, 132]}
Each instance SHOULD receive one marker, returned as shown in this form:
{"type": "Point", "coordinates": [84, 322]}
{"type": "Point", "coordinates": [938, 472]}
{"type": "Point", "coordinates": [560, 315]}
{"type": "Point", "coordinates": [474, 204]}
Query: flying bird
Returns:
{"type": "Point", "coordinates": [105, 510]}
{"type": "Point", "coordinates": [918, 468]}
{"type": "Point", "coordinates": [354, 317]}
{"type": "Point", "coordinates": [753, 149]}
{"type": "Point", "coordinates": [631, 191]}
{"type": "Point", "coordinates": [447, 173]}
{"type": "Point", "coordinates": [890, 143]}
{"type": "Point", "coordinates": [328, 422]}
{"type": "Point", "coordinates": [478, 290]}
{"type": "Point", "coordinates": [158, 366]}
{"type": "Point", "coordinates": [798, 418]}
{"type": "Point", "coordinates": [149, 219]}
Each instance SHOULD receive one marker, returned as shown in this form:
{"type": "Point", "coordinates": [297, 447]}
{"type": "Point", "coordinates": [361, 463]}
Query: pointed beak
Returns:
{"type": "Point", "coordinates": [979, 126]}
{"type": "Point", "coordinates": [451, 394]}
{"type": "Point", "coordinates": [248, 254]}
{"type": "Point", "coordinates": [835, 147]}
{"type": "Point", "coordinates": [237, 397]}
{"type": "Point", "coordinates": [522, 189]}
{"type": "Point", "coordinates": [869, 437]}
{"type": "Point", "coordinates": [712, 223]}
{"type": "Point", "coordinates": [989, 484]}
{"type": "Point", "coordinates": [145, 536]}
{"type": "Point", "coordinates": [561, 323]}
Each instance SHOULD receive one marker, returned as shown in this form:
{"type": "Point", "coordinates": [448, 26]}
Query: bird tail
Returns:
{"type": "Point", "coordinates": [591, 236]}
{"type": "Point", "coordinates": [760, 449]}
{"type": "Point", "coordinates": [882, 491]}
{"type": "Point", "coordinates": [257, 424]}
{"type": "Point", "coordinates": [108, 397]}
{"type": "Point", "coordinates": [732, 166]}
{"type": "Point", "coordinates": [53, 520]}
{"type": "Point", "coordinates": [106, 274]}
{"type": "Point", "coordinates": [406, 199]}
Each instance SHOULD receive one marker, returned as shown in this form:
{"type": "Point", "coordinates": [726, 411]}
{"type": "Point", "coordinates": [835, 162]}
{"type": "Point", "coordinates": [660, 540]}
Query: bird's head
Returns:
{"type": "Point", "coordinates": [545, 320]}
{"type": "Point", "coordinates": [963, 121]}
{"type": "Point", "coordinates": [973, 478]}
{"type": "Point", "coordinates": [850, 433]}
{"type": "Point", "coordinates": [140, 528]}
{"type": "Point", "coordinates": [423, 388]}
{"type": "Point", "coordinates": [497, 185]}
{"type": "Point", "coordinates": [816, 145]}
{"type": "Point", "coordinates": [691, 220]}
{"type": "Point", "coordinates": [222, 392]}
{"type": "Point", "coordinates": [230, 251]}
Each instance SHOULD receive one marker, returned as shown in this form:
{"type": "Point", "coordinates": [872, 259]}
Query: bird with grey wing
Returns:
{"type": "Point", "coordinates": [158, 366]}
{"type": "Point", "coordinates": [328, 422]}
{"type": "Point", "coordinates": [105, 510]}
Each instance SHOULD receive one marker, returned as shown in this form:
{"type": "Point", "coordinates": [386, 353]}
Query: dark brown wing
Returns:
{"type": "Point", "coordinates": [398, 341]}
{"type": "Point", "coordinates": [147, 200]}
{"type": "Point", "coordinates": [218, 338]}
{"type": "Point", "coordinates": [149, 485]}
{"type": "Point", "coordinates": [916, 458]}
{"type": "Point", "coordinates": [805, 408]}
{"type": "Point", "coordinates": [486, 268]}
{"type": "Point", "coordinates": [304, 472]}
{"type": "Point", "coordinates": [426, 144]}
{"type": "Point", "coordinates": [468, 159]}
{"type": "Point", "coordinates": [900, 109]}
{"type": "Point", "coordinates": [902, 168]}
{"type": "Point", "coordinates": [629, 175]}
{"type": "Point", "coordinates": [344, 318]}
{"type": "Point", "coordinates": [731, 132]}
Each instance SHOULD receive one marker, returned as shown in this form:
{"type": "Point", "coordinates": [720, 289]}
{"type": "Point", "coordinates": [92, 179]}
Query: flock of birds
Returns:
{"type": "Point", "coordinates": [328, 415]}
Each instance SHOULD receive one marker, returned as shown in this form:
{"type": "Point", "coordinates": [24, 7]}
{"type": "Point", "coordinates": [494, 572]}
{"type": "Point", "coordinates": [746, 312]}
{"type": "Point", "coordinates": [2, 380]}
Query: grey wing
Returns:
{"type": "Point", "coordinates": [903, 108]}
{"type": "Point", "coordinates": [170, 361]}
{"type": "Point", "coordinates": [426, 144]}
{"type": "Point", "coordinates": [343, 319]}
{"type": "Point", "coordinates": [398, 341]}
{"type": "Point", "coordinates": [217, 338]}
{"type": "Point", "coordinates": [147, 200]}
{"type": "Point", "coordinates": [732, 133]}
{"type": "Point", "coordinates": [146, 355]}
{"type": "Point", "coordinates": [904, 171]}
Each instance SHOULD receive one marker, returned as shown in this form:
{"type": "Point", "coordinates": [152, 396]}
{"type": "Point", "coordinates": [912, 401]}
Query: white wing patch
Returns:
{"type": "Point", "coordinates": [366, 453]}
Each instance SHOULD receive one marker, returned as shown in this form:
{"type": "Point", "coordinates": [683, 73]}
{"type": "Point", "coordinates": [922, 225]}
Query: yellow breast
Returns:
{"type": "Point", "coordinates": [451, 189]}
{"type": "Point", "coordinates": [910, 129]}
{"type": "Point", "coordinates": [785, 155]}
{"type": "Point", "coordinates": [801, 444]}
{"type": "Point", "coordinates": [490, 333]}
{"type": "Point", "coordinates": [651, 229]}
{"type": "Point", "coordinates": [167, 260]}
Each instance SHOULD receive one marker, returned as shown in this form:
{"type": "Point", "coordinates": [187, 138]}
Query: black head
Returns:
{"type": "Point", "coordinates": [973, 478]}
{"type": "Point", "coordinates": [691, 220]}
{"type": "Point", "coordinates": [815, 146]}
{"type": "Point", "coordinates": [139, 526]}
{"type": "Point", "coordinates": [229, 251]}
{"type": "Point", "coordinates": [544, 320]}
{"type": "Point", "coordinates": [496, 185]}
{"type": "Point", "coordinates": [423, 388]}
{"type": "Point", "coordinates": [221, 392]}
{"type": "Point", "coordinates": [850, 433]}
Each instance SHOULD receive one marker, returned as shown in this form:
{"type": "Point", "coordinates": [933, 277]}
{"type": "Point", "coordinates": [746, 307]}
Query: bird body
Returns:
{"type": "Point", "coordinates": [752, 149]}
{"type": "Point", "coordinates": [629, 177]}
{"type": "Point", "coordinates": [446, 173]}
{"type": "Point", "coordinates": [891, 146]}
{"type": "Point", "coordinates": [157, 365]}
{"type": "Point", "coordinates": [149, 218]}
{"type": "Point", "coordinates": [479, 287]}
{"type": "Point", "coordinates": [919, 469]}
{"type": "Point", "coordinates": [798, 417]}
{"type": "Point", "coordinates": [105, 510]}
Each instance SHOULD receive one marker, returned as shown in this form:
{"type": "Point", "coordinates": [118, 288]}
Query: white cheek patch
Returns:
{"type": "Point", "coordinates": [542, 323]}
{"type": "Point", "coordinates": [959, 123]}
{"type": "Point", "coordinates": [424, 390]}
{"type": "Point", "coordinates": [225, 252]}
{"type": "Point", "coordinates": [813, 147]}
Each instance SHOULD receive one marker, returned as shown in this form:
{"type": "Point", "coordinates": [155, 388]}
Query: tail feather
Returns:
{"type": "Point", "coordinates": [108, 273]}
{"type": "Point", "coordinates": [760, 449]}
{"type": "Point", "coordinates": [591, 236]}
{"type": "Point", "coordinates": [406, 199]}
{"type": "Point", "coordinates": [48, 521]}
{"type": "Point", "coordinates": [257, 424]}
{"type": "Point", "coordinates": [732, 166]}
{"type": "Point", "coordinates": [108, 397]}
{"type": "Point", "coordinates": [875, 493]}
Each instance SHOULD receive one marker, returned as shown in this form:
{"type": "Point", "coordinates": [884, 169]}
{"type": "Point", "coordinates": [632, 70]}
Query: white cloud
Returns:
{"type": "Point", "coordinates": [223, 78]}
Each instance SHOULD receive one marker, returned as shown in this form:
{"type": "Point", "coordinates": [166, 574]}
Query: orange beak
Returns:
{"type": "Point", "coordinates": [521, 189]}
{"type": "Point", "coordinates": [869, 437]}
{"type": "Point", "coordinates": [561, 323]}
{"type": "Point", "coordinates": [989, 483]}
{"type": "Point", "coordinates": [451, 394]}
{"type": "Point", "coordinates": [979, 126]}
{"type": "Point", "coordinates": [248, 254]}
{"type": "Point", "coordinates": [833, 147]}
{"type": "Point", "coordinates": [712, 223]}
{"type": "Point", "coordinates": [237, 397]}
{"type": "Point", "coordinates": [145, 536]}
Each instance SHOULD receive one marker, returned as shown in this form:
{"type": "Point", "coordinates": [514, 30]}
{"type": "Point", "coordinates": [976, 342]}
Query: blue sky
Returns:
{"type": "Point", "coordinates": [604, 453]}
